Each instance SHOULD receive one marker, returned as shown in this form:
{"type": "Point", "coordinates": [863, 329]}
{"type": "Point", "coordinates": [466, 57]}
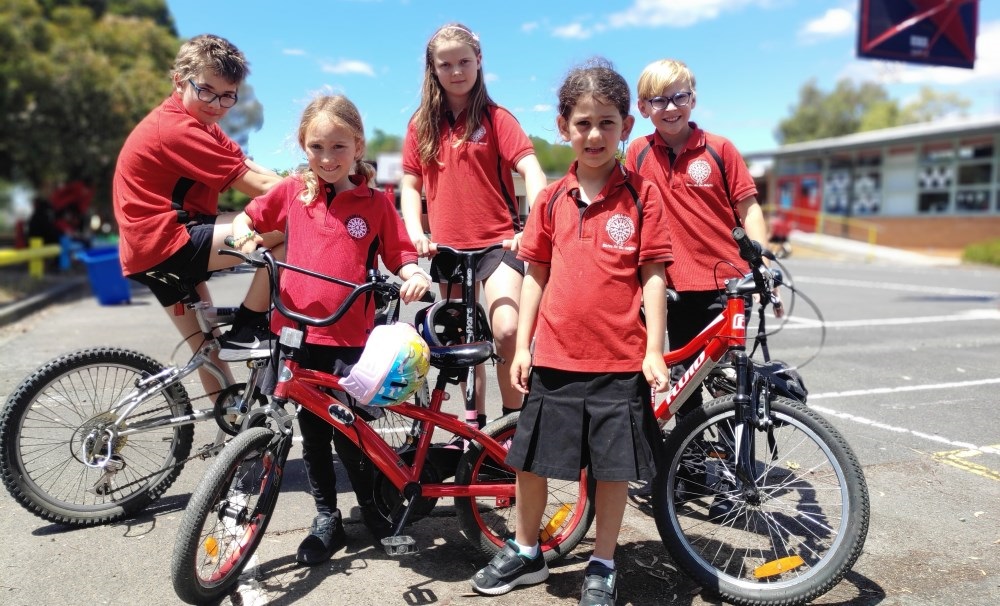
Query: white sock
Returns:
{"type": "Point", "coordinates": [527, 551]}
{"type": "Point", "coordinates": [609, 563]}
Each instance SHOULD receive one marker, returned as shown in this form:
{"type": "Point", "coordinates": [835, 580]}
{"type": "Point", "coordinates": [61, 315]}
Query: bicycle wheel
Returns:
{"type": "Point", "coordinates": [488, 521]}
{"type": "Point", "coordinates": [54, 435]}
{"type": "Point", "coordinates": [227, 516]}
{"type": "Point", "coordinates": [788, 538]}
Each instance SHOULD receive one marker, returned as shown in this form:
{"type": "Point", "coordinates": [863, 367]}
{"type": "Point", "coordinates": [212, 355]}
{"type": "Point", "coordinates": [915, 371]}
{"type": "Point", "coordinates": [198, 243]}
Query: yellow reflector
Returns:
{"type": "Point", "coordinates": [776, 567]}
{"type": "Point", "coordinates": [211, 547]}
{"type": "Point", "coordinates": [557, 520]}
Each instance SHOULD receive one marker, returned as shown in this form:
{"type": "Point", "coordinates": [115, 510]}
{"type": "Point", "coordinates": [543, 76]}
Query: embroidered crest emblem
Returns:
{"type": "Point", "coordinates": [477, 136]}
{"type": "Point", "coordinates": [699, 170]}
{"type": "Point", "coordinates": [620, 228]}
{"type": "Point", "coordinates": [356, 226]}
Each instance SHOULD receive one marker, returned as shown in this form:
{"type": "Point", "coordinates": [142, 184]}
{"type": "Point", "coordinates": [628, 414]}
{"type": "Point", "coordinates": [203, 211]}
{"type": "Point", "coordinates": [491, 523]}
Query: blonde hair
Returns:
{"type": "Point", "coordinates": [339, 109]}
{"type": "Point", "coordinates": [208, 52]}
{"type": "Point", "coordinates": [427, 118]}
{"type": "Point", "coordinates": [659, 75]}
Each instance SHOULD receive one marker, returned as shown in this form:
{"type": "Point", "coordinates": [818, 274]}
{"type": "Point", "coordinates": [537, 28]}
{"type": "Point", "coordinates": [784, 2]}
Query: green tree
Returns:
{"type": "Point", "coordinates": [554, 159]}
{"type": "Point", "coordinates": [382, 142]}
{"type": "Point", "coordinates": [852, 108]}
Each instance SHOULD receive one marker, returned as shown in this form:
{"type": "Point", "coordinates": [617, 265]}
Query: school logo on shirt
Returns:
{"type": "Point", "coordinates": [699, 171]}
{"type": "Point", "coordinates": [477, 137]}
{"type": "Point", "coordinates": [356, 226]}
{"type": "Point", "coordinates": [620, 228]}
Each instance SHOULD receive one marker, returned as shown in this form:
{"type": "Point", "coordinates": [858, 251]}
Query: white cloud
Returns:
{"type": "Point", "coordinates": [542, 107]}
{"type": "Point", "coordinates": [490, 77]}
{"type": "Point", "coordinates": [834, 23]}
{"type": "Point", "coordinates": [347, 66]}
{"type": "Point", "coordinates": [574, 30]}
{"type": "Point", "coordinates": [676, 13]}
{"type": "Point", "coordinates": [529, 27]}
{"type": "Point", "coordinates": [298, 52]}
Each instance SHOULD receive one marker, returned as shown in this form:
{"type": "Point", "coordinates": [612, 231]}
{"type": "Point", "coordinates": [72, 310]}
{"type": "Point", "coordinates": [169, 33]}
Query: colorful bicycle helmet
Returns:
{"type": "Point", "coordinates": [443, 324]}
{"type": "Point", "coordinates": [393, 365]}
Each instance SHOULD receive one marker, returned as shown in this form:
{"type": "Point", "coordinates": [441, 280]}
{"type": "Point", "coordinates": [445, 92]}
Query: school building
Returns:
{"type": "Point", "coordinates": [922, 186]}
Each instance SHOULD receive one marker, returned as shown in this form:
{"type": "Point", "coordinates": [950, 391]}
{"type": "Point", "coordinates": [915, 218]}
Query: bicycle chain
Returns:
{"type": "Point", "coordinates": [202, 453]}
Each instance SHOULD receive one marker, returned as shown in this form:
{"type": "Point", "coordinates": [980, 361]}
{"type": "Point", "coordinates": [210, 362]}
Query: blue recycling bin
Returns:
{"type": "Point", "coordinates": [105, 272]}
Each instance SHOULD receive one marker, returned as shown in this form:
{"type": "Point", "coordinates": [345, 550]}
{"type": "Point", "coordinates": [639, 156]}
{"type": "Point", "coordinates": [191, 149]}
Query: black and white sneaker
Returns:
{"type": "Point", "coordinates": [599, 586]}
{"type": "Point", "coordinates": [508, 569]}
{"type": "Point", "coordinates": [246, 342]}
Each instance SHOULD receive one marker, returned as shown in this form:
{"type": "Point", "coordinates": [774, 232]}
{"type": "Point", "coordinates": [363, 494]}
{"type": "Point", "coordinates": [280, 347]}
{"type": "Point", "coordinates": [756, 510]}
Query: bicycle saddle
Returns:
{"type": "Point", "coordinates": [461, 356]}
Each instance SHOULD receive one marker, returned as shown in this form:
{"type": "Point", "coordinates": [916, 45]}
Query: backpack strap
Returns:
{"type": "Point", "coordinates": [509, 200]}
{"type": "Point", "coordinates": [642, 154]}
{"type": "Point", "coordinates": [725, 181]}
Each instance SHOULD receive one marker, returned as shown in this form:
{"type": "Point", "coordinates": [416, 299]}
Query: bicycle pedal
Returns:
{"type": "Point", "coordinates": [399, 545]}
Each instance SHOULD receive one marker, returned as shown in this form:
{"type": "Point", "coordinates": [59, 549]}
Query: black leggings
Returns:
{"type": "Point", "coordinates": [685, 319]}
{"type": "Point", "coordinates": [319, 439]}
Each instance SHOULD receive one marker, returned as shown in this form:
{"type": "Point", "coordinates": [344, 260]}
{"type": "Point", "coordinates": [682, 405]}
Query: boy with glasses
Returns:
{"type": "Point", "coordinates": [708, 191]}
{"type": "Point", "coordinates": [166, 188]}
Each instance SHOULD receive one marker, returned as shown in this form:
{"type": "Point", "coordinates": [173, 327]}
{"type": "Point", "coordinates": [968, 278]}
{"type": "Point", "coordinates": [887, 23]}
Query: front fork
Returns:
{"type": "Point", "coordinates": [753, 413]}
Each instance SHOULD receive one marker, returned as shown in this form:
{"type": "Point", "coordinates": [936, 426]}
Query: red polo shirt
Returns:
{"type": "Point", "coordinates": [588, 320]}
{"type": "Point", "coordinates": [466, 207]}
{"type": "Point", "coordinates": [340, 235]}
{"type": "Point", "coordinates": [701, 216]}
{"type": "Point", "coordinates": [170, 163]}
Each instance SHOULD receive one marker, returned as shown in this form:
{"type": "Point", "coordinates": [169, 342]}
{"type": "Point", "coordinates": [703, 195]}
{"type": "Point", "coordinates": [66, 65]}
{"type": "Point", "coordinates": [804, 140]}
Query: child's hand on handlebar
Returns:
{"type": "Point", "coordinates": [425, 248]}
{"type": "Point", "coordinates": [514, 243]}
{"type": "Point", "coordinates": [416, 282]}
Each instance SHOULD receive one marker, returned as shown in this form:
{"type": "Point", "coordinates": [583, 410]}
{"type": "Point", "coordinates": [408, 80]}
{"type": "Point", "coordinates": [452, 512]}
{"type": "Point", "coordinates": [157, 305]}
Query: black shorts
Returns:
{"type": "Point", "coordinates": [189, 263]}
{"type": "Point", "coordinates": [572, 419]}
{"type": "Point", "coordinates": [445, 266]}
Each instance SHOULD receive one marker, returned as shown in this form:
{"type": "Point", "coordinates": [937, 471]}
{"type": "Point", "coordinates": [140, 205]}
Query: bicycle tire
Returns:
{"type": "Point", "coordinates": [787, 543]}
{"type": "Point", "coordinates": [44, 424]}
{"type": "Point", "coordinates": [228, 515]}
{"type": "Point", "coordinates": [490, 521]}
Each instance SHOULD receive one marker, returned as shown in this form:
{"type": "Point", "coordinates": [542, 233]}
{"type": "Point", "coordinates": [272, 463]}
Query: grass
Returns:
{"type": "Point", "coordinates": [987, 252]}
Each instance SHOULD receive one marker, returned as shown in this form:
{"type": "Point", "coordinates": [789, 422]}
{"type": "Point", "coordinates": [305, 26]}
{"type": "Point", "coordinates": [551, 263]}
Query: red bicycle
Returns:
{"type": "Point", "coordinates": [758, 498]}
{"type": "Point", "coordinates": [230, 509]}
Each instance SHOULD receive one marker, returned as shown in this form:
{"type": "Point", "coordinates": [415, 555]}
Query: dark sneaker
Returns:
{"type": "Point", "coordinates": [599, 586]}
{"type": "Point", "coordinates": [246, 343]}
{"type": "Point", "coordinates": [325, 538]}
{"type": "Point", "coordinates": [377, 524]}
{"type": "Point", "coordinates": [508, 569]}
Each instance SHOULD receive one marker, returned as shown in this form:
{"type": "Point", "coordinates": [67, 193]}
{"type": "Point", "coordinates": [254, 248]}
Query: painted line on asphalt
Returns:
{"type": "Point", "coordinates": [955, 444]}
{"type": "Point", "coordinates": [960, 459]}
{"type": "Point", "coordinates": [972, 315]}
{"type": "Point", "coordinates": [927, 290]}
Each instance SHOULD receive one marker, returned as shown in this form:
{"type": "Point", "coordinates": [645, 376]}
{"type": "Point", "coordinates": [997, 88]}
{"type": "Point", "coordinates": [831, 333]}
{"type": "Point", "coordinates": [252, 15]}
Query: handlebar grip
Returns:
{"type": "Point", "coordinates": [750, 250]}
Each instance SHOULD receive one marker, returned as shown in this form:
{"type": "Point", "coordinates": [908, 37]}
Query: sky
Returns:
{"type": "Point", "coordinates": [750, 58]}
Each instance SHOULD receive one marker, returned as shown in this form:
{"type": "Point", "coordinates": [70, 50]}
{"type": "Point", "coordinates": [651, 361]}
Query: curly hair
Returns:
{"type": "Point", "coordinates": [598, 78]}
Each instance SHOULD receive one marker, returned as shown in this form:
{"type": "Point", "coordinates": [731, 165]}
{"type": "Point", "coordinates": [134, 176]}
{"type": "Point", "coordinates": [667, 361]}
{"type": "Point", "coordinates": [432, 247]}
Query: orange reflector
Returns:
{"type": "Point", "coordinates": [211, 546]}
{"type": "Point", "coordinates": [557, 520]}
{"type": "Point", "coordinates": [776, 567]}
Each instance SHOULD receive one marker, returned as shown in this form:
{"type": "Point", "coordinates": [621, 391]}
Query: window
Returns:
{"type": "Point", "coordinates": [972, 200]}
{"type": "Point", "coordinates": [932, 202]}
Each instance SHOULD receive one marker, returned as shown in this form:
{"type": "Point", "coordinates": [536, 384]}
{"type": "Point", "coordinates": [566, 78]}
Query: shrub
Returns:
{"type": "Point", "coordinates": [983, 252]}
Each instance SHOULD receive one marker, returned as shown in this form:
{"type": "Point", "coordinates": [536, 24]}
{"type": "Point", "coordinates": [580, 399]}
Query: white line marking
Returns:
{"type": "Point", "coordinates": [885, 390]}
{"type": "Point", "coordinates": [972, 315]}
{"type": "Point", "coordinates": [927, 290]}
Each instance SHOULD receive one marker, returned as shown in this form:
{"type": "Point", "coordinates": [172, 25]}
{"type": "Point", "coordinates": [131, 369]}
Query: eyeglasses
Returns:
{"type": "Point", "coordinates": [679, 100]}
{"type": "Point", "coordinates": [207, 96]}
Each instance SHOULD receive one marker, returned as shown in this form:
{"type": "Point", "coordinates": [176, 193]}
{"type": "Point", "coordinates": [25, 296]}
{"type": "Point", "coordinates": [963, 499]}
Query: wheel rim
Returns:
{"type": "Point", "coordinates": [784, 536]}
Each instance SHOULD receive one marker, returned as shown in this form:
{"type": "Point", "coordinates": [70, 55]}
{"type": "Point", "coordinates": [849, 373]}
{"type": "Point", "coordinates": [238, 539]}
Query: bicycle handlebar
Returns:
{"type": "Point", "coordinates": [263, 258]}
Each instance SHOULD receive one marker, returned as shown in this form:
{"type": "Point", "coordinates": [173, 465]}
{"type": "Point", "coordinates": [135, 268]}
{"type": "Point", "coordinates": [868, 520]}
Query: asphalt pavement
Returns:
{"type": "Point", "coordinates": [933, 538]}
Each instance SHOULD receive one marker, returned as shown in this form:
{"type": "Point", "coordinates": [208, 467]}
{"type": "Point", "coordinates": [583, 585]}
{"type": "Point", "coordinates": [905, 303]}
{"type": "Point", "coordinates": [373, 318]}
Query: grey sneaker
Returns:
{"type": "Point", "coordinates": [508, 569]}
{"type": "Point", "coordinates": [599, 586]}
{"type": "Point", "coordinates": [325, 538]}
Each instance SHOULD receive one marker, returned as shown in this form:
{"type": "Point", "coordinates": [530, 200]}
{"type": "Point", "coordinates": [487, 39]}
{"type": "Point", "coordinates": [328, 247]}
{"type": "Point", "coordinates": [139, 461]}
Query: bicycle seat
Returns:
{"type": "Point", "coordinates": [184, 285]}
{"type": "Point", "coordinates": [461, 356]}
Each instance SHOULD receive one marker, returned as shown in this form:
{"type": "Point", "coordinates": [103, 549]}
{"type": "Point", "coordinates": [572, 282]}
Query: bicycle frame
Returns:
{"type": "Point", "coordinates": [303, 387]}
{"type": "Point", "coordinates": [727, 333]}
